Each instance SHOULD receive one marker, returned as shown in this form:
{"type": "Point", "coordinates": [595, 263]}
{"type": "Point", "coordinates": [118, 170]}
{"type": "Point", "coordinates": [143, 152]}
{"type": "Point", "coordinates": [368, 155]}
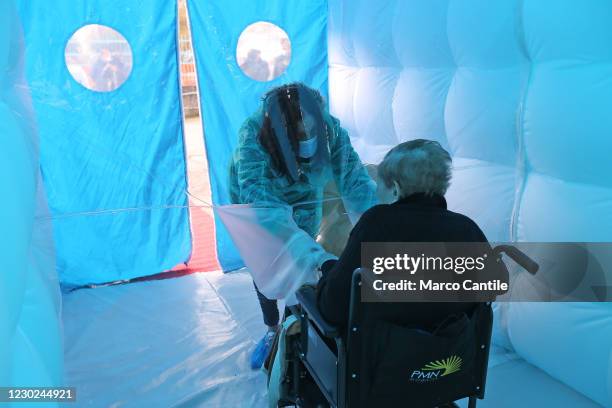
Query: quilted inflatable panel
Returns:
{"type": "Point", "coordinates": [519, 92]}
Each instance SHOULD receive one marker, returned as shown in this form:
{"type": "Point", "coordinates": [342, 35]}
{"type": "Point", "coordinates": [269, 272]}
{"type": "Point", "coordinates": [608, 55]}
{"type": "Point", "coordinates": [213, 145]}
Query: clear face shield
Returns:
{"type": "Point", "coordinates": [300, 130]}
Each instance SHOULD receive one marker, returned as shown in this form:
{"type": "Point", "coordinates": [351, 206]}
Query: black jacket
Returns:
{"type": "Point", "coordinates": [417, 218]}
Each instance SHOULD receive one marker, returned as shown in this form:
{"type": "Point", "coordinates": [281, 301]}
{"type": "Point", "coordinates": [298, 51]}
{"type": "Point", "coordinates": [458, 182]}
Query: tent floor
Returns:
{"type": "Point", "coordinates": [166, 343]}
{"type": "Point", "coordinates": [186, 342]}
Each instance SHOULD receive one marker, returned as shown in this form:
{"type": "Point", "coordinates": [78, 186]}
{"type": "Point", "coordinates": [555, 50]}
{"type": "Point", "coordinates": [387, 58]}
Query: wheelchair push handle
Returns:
{"type": "Point", "coordinates": [517, 256]}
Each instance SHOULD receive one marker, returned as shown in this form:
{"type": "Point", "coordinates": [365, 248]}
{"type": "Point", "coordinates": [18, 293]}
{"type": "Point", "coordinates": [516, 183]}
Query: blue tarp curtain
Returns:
{"type": "Point", "coordinates": [228, 96]}
{"type": "Point", "coordinates": [110, 150]}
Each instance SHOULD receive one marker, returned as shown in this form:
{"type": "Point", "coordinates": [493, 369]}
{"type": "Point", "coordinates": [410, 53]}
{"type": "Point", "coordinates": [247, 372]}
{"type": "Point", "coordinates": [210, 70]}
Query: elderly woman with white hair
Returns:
{"type": "Point", "coordinates": [413, 178]}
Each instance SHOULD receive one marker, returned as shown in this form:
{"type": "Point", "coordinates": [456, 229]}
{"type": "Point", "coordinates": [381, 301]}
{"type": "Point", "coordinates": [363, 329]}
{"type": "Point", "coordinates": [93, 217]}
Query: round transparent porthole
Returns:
{"type": "Point", "coordinates": [98, 57]}
{"type": "Point", "coordinates": [264, 51]}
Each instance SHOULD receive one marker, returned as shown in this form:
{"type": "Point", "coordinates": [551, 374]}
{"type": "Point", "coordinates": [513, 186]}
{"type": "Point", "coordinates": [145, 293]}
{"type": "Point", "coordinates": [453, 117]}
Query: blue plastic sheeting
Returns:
{"type": "Point", "coordinates": [119, 150]}
{"type": "Point", "coordinates": [198, 343]}
{"type": "Point", "coordinates": [228, 96]}
{"type": "Point", "coordinates": [522, 102]}
{"type": "Point", "coordinates": [190, 348]}
{"type": "Point", "coordinates": [30, 334]}
{"type": "Point", "coordinates": [571, 343]}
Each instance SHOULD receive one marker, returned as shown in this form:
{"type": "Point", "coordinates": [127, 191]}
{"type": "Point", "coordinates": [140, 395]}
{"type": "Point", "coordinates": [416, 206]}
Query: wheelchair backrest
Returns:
{"type": "Point", "coordinates": [424, 354]}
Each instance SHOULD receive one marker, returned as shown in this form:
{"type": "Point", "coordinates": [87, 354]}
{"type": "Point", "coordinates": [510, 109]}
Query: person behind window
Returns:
{"type": "Point", "coordinates": [109, 72]}
{"type": "Point", "coordinates": [281, 62]}
{"type": "Point", "coordinates": [255, 67]}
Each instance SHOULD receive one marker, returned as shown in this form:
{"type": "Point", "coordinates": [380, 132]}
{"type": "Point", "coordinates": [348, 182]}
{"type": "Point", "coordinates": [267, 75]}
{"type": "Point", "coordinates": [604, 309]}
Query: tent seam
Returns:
{"type": "Point", "coordinates": [521, 155]}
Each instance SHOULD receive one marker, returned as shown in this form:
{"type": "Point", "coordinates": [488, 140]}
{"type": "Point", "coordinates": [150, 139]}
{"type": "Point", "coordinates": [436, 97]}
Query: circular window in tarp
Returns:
{"type": "Point", "coordinates": [263, 51]}
{"type": "Point", "coordinates": [98, 57]}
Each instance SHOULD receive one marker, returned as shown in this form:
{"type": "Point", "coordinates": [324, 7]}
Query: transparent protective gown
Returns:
{"type": "Point", "coordinates": [276, 227]}
{"type": "Point", "coordinates": [30, 334]}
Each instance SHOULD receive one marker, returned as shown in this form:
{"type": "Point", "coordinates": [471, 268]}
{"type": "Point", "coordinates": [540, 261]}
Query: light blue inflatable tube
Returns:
{"type": "Point", "coordinates": [30, 329]}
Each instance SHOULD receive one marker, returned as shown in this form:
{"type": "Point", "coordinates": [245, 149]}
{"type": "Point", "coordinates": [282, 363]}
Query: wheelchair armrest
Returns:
{"type": "Point", "coordinates": [517, 256]}
{"type": "Point", "coordinates": [307, 296]}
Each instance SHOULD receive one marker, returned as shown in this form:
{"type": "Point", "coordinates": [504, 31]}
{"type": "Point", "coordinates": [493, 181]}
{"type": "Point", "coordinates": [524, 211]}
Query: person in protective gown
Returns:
{"type": "Point", "coordinates": [287, 152]}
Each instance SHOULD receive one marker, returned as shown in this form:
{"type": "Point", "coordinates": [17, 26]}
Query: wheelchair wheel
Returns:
{"type": "Point", "coordinates": [310, 395]}
{"type": "Point", "coordinates": [302, 389]}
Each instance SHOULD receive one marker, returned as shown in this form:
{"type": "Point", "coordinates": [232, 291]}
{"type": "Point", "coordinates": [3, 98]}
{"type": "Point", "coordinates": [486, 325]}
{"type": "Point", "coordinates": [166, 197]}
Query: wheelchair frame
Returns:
{"type": "Point", "coordinates": [336, 381]}
{"type": "Point", "coordinates": [337, 376]}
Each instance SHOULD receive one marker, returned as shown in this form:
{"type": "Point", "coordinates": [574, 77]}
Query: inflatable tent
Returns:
{"type": "Point", "coordinates": [95, 189]}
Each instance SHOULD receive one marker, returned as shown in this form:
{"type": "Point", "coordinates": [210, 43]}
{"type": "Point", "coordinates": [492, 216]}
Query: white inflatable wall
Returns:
{"type": "Point", "coordinates": [520, 92]}
{"type": "Point", "coordinates": [30, 336]}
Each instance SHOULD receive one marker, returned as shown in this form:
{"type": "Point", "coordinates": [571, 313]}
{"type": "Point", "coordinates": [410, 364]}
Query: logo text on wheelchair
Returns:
{"type": "Point", "coordinates": [437, 369]}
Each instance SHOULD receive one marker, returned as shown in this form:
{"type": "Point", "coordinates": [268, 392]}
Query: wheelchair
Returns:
{"type": "Point", "coordinates": [395, 365]}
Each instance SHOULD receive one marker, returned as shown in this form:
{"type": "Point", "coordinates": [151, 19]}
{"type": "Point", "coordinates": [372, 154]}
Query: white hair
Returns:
{"type": "Point", "coordinates": [417, 166]}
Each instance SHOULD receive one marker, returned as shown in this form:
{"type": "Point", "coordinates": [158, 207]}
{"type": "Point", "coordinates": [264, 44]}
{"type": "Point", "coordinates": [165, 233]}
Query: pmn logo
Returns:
{"type": "Point", "coordinates": [436, 369]}
{"type": "Point", "coordinates": [449, 365]}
